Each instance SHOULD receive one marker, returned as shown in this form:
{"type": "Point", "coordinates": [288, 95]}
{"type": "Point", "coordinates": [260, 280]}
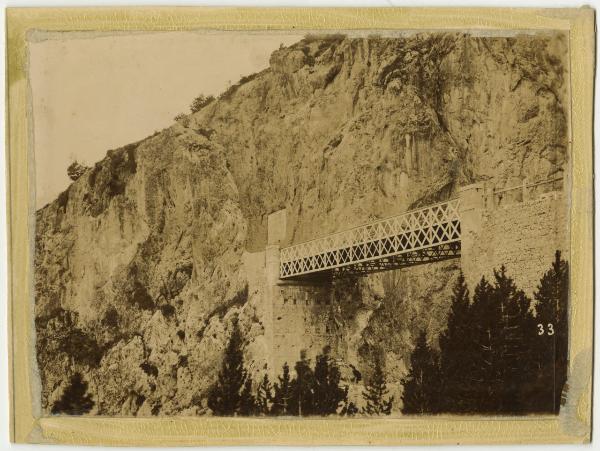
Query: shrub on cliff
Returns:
{"type": "Point", "coordinates": [138, 295]}
{"type": "Point", "coordinates": [349, 409]}
{"type": "Point", "coordinates": [182, 119]}
{"type": "Point", "coordinates": [81, 347]}
{"type": "Point", "coordinates": [167, 310]}
{"type": "Point", "coordinates": [200, 102]}
{"type": "Point", "coordinates": [76, 170]}
{"type": "Point", "coordinates": [75, 400]}
{"type": "Point", "coordinates": [110, 318]}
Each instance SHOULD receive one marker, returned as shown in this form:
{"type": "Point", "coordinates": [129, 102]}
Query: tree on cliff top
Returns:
{"type": "Point", "coordinates": [76, 170]}
{"type": "Point", "coordinates": [225, 397]}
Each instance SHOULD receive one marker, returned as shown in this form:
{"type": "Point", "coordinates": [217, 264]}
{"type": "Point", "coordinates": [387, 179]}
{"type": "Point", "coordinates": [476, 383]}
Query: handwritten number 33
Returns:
{"type": "Point", "coordinates": [541, 330]}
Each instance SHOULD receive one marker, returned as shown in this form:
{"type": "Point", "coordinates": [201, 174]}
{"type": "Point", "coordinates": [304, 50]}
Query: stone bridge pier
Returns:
{"type": "Point", "coordinates": [301, 310]}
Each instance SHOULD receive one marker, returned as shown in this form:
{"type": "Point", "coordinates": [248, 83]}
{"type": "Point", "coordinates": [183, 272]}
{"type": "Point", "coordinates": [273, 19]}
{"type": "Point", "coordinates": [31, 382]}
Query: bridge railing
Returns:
{"type": "Point", "coordinates": [523, 191]}
{"type": "Point", "coordinates": [433, 225]}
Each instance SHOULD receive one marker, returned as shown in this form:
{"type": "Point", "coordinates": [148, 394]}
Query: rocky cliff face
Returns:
{"type": "Point", "coordinates": [139, 263]}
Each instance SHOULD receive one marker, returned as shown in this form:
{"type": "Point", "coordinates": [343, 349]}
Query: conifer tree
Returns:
{"type": "Point", "coordinates": [483, 373]}
{"type": "Point", "coordinates": [552, 336]}
{"type": "Point", "coordinates": [282, 393]}
{"type": "Point", "coordinates": [501, 366]}
{"type": "Point", "coordinates": [421, 385]}
{"type": "Point", "coordinates": [328, 395]}
{"type": "Point", "coordinates": [456, 352]}
{"type": "Point", "coordinates": [495, 356]}
{"type": "Point", "coordinates": [514, 356]}
{"type": "Point", "coordinates": [264, 396]}
{"type": "Point", "coordinates": [75, 400]}
{"type": "Point", "coordinates": [247, 399]}
{"type": "Point", "coordinates": [225, 396]}
{"type": "Point", "coordinates": [376, 394]}
{"type": "Point", "coordinates": [302, 402]}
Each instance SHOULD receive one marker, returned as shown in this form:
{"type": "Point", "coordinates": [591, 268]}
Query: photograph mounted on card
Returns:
{"type": "Point", "coordinates": [276, 226]}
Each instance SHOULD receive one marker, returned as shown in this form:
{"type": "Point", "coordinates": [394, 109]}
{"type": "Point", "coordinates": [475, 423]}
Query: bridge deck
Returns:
{"type": "Point", "coordinates": [418, 236]}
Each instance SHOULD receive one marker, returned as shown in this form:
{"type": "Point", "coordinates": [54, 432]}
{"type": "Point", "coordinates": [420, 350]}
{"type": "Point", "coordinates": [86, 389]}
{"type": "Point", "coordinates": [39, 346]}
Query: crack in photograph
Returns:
{"type": "Point", "coordinates": [301, 224]}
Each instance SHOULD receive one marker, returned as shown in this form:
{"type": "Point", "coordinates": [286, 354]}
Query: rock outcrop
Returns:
{"type": "Point", "coordinates": [139, 264]}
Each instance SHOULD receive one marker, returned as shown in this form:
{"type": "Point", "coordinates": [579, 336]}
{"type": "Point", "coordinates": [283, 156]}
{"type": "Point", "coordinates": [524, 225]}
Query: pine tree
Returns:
{"type": "Point", "coordinates": [552, 336]}
{"type": "Point", "coordinates": [456, 352]}
{"type": "Point", "coordinates": [225, 396]}
{"type": "Point", "coordinates": [495, 356]}
{"type": "Point", "coordinates": [264, 396]}
{"type": "Point", "coordinates": [514, 348]}
{"type": "Point", "coordinates": [74, 400]}
{"type": "Point", "coordinates": [302, 402]}
{"type": "Point", "coordinates": [376, 394]}
{"type": "Point", "coordinates": [501, 369]}
{"type": "Point", "coordinates": [328, 395]}
{"type": "Point", "coordinates": [483, 372]}
{"type": "Point", "coordinates": [526, 360]}
{"type": "Point", "coordinates": [282, 393]}
{"type": "Point", "coordinates": [420, 386]}
{"type": "Point", "coordinates": [247, 400]}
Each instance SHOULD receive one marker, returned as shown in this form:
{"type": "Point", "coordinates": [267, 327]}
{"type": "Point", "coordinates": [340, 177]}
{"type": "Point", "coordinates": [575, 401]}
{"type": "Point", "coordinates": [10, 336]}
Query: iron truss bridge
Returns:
{"type": "Point", "coordinates": [419, 236]}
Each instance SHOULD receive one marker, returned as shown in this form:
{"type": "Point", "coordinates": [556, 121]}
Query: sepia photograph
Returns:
{"type": "Point", "coordinates": [367, 225]}
{"type": "Point", "coordinates": [303, 224]}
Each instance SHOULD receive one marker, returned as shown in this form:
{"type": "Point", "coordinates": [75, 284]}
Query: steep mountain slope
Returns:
{"type": "Point", "coordinates": [139, 263]}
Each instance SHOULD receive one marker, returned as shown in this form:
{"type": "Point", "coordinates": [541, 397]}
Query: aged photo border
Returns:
{"type": "Point", "coordinates": [572, 426]}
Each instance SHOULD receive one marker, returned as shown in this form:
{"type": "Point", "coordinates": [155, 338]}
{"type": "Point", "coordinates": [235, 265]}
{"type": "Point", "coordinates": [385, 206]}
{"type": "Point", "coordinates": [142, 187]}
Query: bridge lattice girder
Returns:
{"type": "Point", "coordinates": [419, 236]}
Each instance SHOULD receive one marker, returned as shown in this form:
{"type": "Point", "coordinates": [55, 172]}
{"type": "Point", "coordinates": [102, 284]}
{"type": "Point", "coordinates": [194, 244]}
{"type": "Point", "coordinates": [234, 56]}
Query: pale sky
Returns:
{"type": "Point", "coordinates": [94, 94]}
